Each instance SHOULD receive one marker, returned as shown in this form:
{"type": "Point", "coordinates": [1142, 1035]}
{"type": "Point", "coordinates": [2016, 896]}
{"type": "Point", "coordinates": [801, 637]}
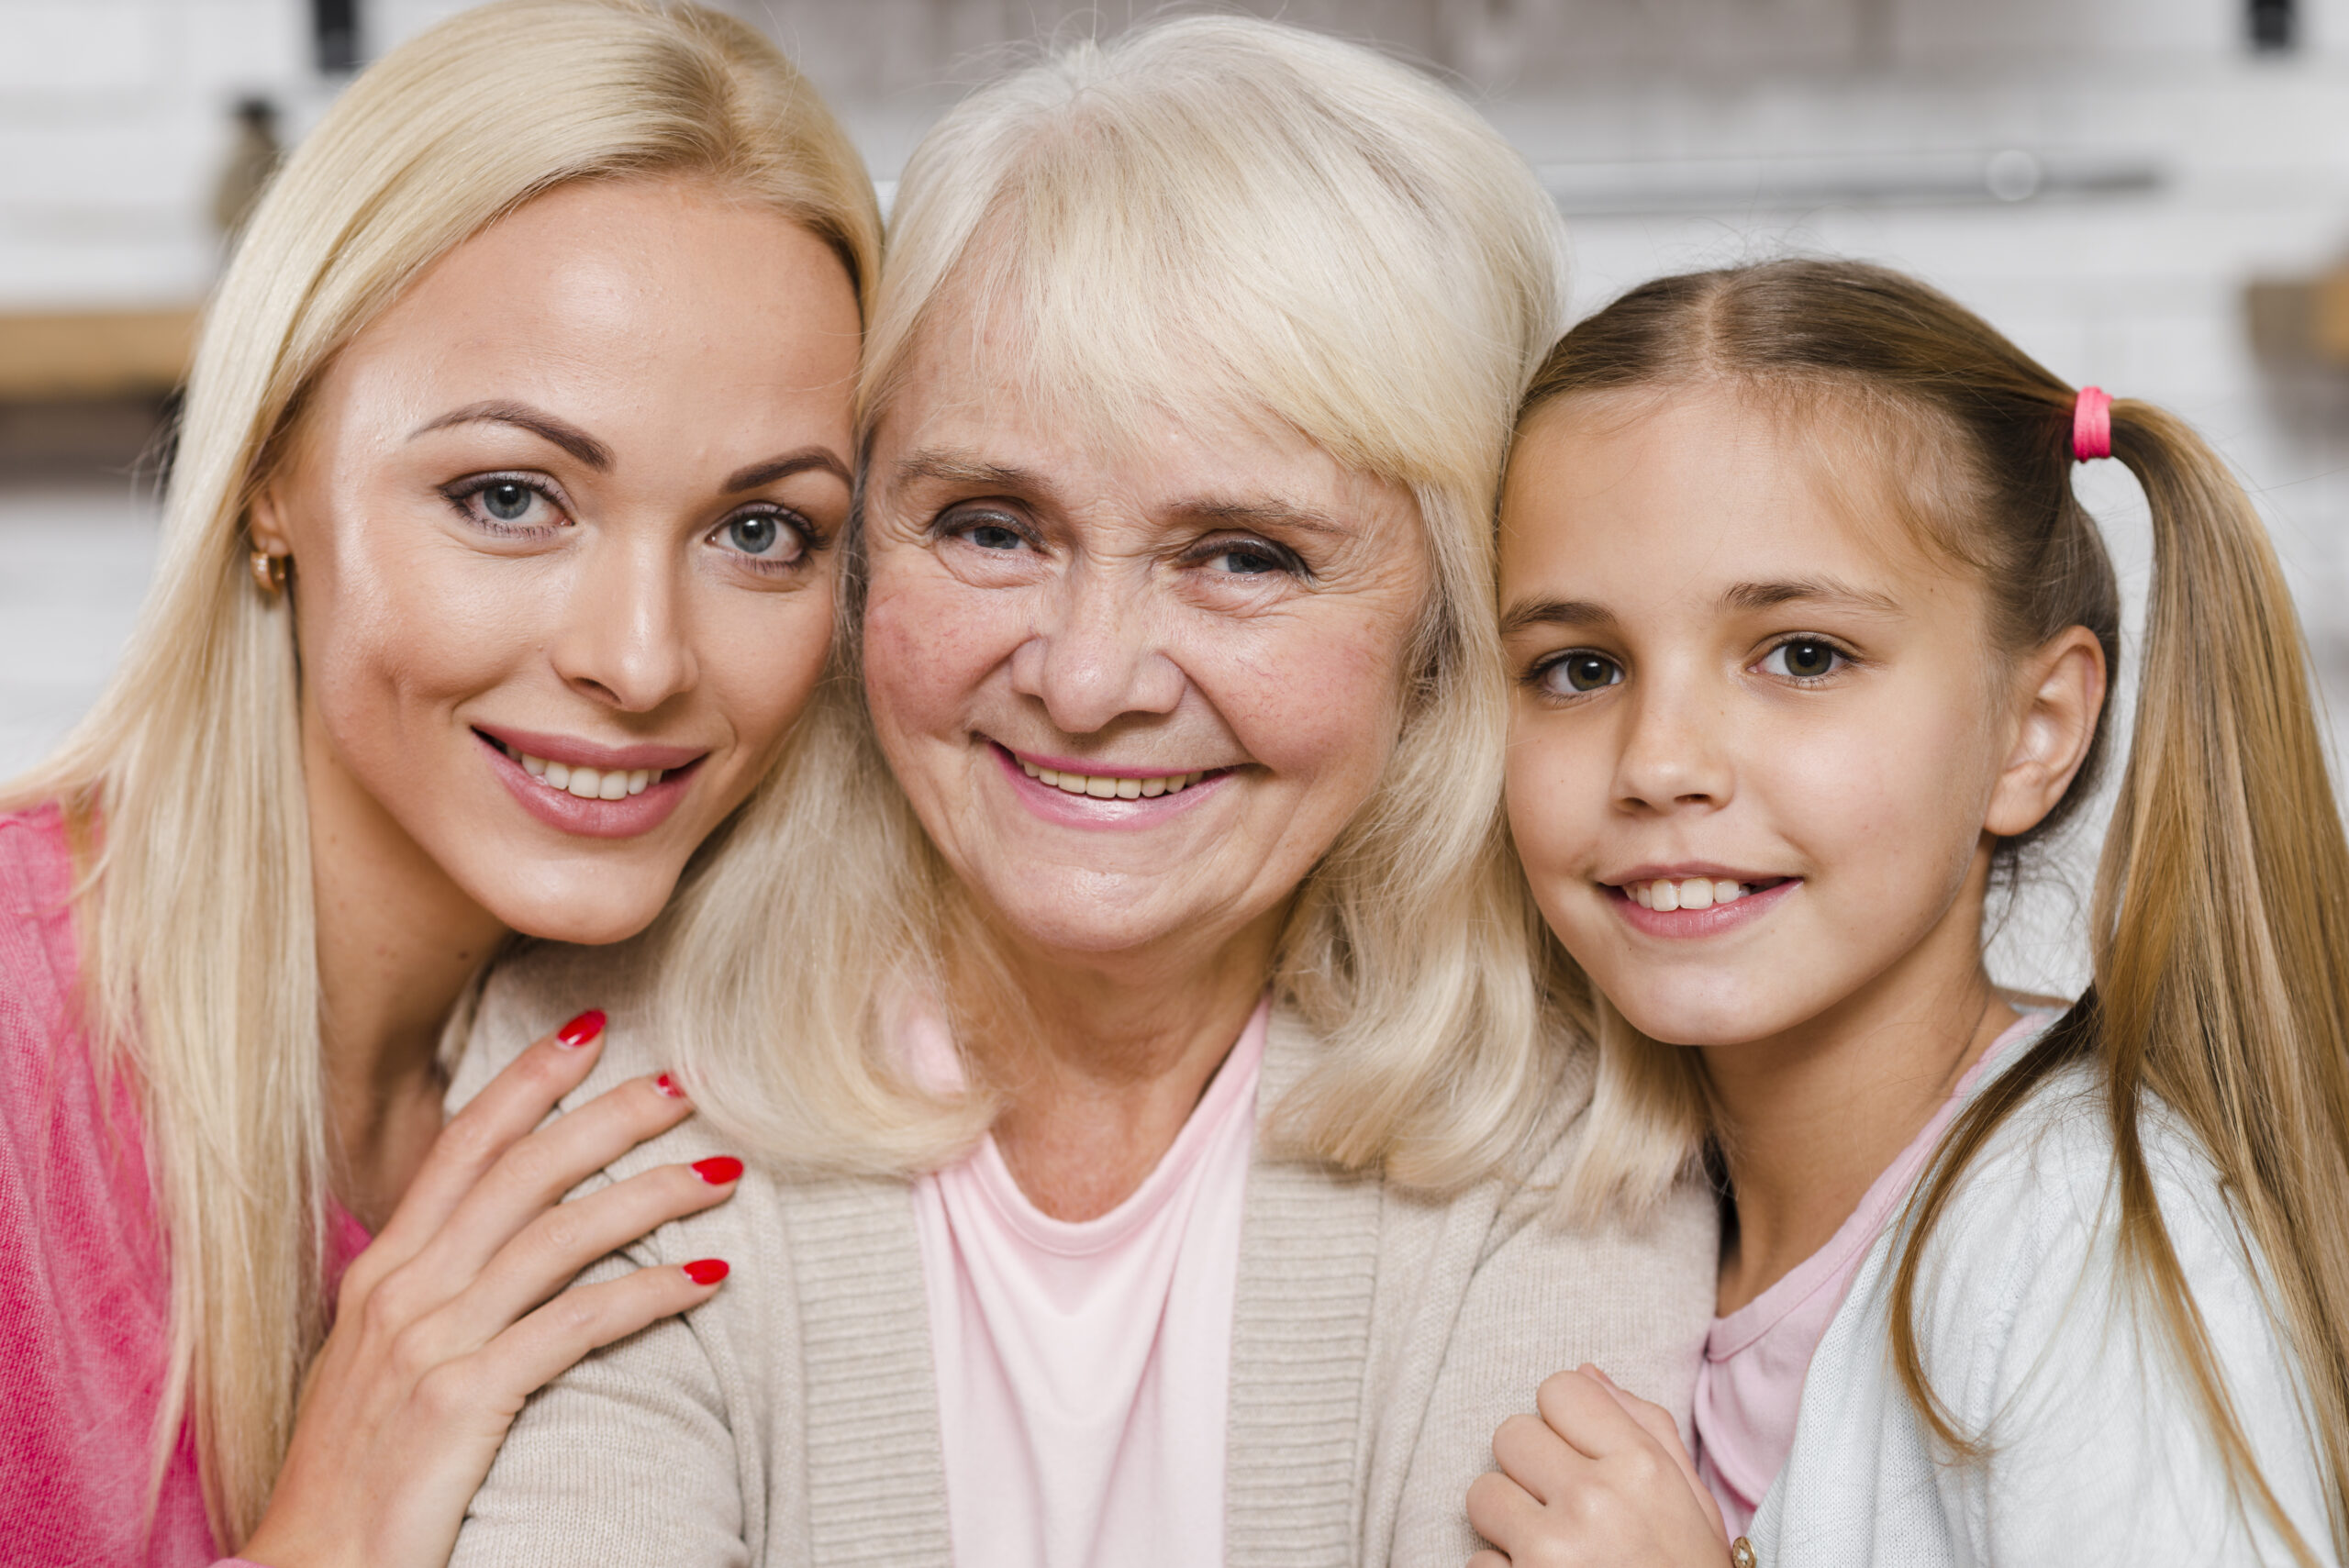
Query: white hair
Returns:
{"type": "Point", "coordinates": [1220, 215]}
{"type": "Point", "coordinates": [184, 784]}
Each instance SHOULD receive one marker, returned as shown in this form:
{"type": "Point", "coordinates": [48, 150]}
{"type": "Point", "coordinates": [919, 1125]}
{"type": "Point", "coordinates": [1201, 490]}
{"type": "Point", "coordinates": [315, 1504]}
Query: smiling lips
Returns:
{"type": "Point", "coordinates": [1668, 894]}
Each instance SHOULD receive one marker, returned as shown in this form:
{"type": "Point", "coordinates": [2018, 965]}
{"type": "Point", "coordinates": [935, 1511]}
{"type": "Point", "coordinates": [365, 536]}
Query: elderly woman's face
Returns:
{"type": "Point", "coordinates": [1133, 695]}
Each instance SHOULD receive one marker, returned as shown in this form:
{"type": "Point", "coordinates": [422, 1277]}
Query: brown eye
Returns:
{"type": "Point", "coordinates": [1578, 672]}
{"type": "Point", "coordinates": [1804, 659]}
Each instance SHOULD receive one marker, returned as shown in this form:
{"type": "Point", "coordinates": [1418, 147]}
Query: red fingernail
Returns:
{"type": "Point", "coordinates": [719, 1170]}
{"type": "Point", "coordinates": [669, 1086]}
{"type": "Point", "coordinates": [581, 1030]}
{"type": "Point", "coordinates": [705, 1271]}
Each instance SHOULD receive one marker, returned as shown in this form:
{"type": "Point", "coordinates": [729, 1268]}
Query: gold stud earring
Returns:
{"type": "Point", "coordinates": [269, 570]}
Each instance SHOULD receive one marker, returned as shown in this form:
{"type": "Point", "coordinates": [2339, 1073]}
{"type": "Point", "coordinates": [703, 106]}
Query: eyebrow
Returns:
{"type": "Point", "coordinates": [944, 469]}
{"type": "Point", "coordinates": [521, 415]}
{"type": "Point", "coordinates": [1739, 596]}
{"type": "Point", "coordinates": [1268, 513]}
{"type": "Point", "coordinates": [784, 467]}
{"type": "Point", "coordinates": [1751, 596]}
{"type": "Point", "coordinates": [1555, 612]}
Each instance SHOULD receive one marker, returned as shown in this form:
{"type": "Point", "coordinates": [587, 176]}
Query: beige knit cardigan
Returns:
{"type": "Point", "coordinates": [1379, 1337]}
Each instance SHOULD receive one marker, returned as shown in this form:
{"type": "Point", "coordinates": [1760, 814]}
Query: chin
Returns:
{"type": "Point", "coordinates": [585, 911]}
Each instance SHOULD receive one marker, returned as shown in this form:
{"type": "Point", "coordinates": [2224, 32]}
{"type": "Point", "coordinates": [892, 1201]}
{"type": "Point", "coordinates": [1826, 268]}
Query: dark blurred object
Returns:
{"type": "Point", "coordinates": [2275, 26]}
{"type": "Point", "coordinates": [83, 439]}
{"type": "Point", "coordinates": [253, 159]}
{"type": "Point", "coordinates": [2300, 322]}
{"type": "Point", "coordinates": [334, 27]}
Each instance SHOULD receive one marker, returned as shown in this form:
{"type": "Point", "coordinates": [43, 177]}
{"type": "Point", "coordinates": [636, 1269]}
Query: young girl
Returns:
{"type": "Point", "coordinates": [1810, 639]}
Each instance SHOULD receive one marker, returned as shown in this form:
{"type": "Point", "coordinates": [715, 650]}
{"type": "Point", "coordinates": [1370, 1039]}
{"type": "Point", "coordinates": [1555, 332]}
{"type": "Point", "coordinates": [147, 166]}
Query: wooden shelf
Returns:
{"type": "Point", "coordinates": [93, 354]}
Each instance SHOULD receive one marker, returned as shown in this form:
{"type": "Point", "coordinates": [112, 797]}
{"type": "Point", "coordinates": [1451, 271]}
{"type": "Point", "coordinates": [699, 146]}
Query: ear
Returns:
{"type": "Point", "coordinates": [2061, 692]}
{"type": "Point", "coordinates": [264, 524]}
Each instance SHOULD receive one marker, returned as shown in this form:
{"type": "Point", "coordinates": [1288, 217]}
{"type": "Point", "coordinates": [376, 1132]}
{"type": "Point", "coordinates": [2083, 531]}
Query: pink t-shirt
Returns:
{"type": "Point", "coordinates": [84, 1295]}
{"type": "Point", "coordinates": [1083, 1367]}
{"type": "Point", "coordinates": [1749, 1387]}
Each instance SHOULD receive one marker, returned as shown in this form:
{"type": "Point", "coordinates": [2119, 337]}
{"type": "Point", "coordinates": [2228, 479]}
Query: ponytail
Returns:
{"type": "Point", "coordinates": [2220, 927]}
{"type": "Point", "coordinates": [2219, 935]}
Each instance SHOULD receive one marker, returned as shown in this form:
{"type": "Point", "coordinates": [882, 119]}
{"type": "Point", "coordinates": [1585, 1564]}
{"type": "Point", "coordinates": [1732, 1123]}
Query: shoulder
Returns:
{"type": "Point", "coordinates": [38, 962]}
{"type": "Point", "coordinates": [531, 991]}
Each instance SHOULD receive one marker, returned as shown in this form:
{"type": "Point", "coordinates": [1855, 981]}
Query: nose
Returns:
{"type": "Point", "coordinates": [621, 640]}
{"type": "Point", "coordinates": [1095, 653]}
{"type": "Point", "coordinates": [1675, 755]}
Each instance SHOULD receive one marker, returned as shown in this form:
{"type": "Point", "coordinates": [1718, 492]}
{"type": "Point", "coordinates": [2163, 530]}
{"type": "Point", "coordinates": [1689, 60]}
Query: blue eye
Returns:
{"type": "Point", "coordinates": [768, 538]}
{"type": "Point", "coordinates": [507, 500]}
{"type": "Point", "coordinates": [1803, 659]}
{"type": "Point", "coordinates": [993, 536]}
{"type": "Point", "coordinates": [1580, 671]}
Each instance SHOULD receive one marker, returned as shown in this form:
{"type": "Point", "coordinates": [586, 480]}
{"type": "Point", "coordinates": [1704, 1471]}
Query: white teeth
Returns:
{"type": "Point", "coordinates": [1102, 788]}
{"type": "Point", "coordinates": [588, 784]}
{"type": "Point", "coordinates": [1686, 893]}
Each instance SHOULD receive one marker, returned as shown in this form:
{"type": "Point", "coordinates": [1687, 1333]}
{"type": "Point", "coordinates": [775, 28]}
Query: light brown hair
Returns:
{"type": "Point", "coordinates": [2219, 932]}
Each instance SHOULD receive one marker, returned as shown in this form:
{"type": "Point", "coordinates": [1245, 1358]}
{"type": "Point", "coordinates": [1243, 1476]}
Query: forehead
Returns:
{"type": "Point", "coordinates": [1651, 495]}
{"type": "Point", "coordinates": [625, 284]}
{"type": "Point", "coordinates": [972, 400]}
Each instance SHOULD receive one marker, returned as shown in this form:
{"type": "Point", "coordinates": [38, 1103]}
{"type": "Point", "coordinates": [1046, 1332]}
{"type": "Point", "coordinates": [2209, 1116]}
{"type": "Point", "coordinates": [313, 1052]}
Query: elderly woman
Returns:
{"type": "Point", "coordinates": [1158, 1133]}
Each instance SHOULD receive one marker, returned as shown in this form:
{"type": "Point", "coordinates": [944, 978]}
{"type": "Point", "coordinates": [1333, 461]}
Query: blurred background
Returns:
{"type": "Point", "coordinates": [2152, 195]}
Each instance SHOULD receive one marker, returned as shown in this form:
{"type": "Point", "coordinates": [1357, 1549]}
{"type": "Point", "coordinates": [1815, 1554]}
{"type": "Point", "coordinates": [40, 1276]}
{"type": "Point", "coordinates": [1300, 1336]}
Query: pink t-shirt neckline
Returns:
{"type": "Point", "coordinates": [1082, 1365]}
{"type": "Point", "coordinates": [1749, 1386]}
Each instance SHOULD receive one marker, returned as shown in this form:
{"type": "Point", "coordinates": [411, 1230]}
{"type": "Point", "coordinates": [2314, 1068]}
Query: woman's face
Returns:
{"type": "Point", "coordinates": [560, 524]}
{"type": "Point", "coordinates": [1133, 693]}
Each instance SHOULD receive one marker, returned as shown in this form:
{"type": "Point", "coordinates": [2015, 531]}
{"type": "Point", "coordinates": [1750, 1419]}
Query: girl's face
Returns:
{"type": "Point", "coordinates": [1759, 753]}
{"type": "Point", "coordinates": [560, 524]}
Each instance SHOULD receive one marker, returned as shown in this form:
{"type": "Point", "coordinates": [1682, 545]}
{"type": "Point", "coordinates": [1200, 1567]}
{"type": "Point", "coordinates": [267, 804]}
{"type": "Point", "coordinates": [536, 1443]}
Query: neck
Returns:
{"type": "Point", "coordinates": [1100, 1060]}
{"type": "Point", "coordinates": [1809, 1119]}
{"type": "Point", "coordinates": [397, 943]}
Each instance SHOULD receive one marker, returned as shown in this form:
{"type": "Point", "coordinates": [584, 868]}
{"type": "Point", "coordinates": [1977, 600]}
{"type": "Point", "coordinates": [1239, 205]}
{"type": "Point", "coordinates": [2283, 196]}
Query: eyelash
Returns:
{"type": "Point", "coordinates": [463, 490]}
{"type": "Point", "coordinates": [954, 523]}
{"type": "Point", "coordinates": [1837, 649]}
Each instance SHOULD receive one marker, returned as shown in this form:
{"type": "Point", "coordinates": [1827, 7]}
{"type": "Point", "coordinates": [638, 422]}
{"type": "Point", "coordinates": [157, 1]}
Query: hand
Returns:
{"type": "Point", "coordinates": [450, 1318]}
{"type": "Point", "coordinates": [1600, 1478]}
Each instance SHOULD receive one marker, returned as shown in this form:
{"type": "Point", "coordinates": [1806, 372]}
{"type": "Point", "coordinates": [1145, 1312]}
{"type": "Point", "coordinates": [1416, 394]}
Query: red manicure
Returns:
{"type": "Point", "coordinates": [581, 1030]}
{"type": "Point", "coordinates": [669, 1086]}
{"type": "Point", "coordinates": [705, 1271]}
{"type": "Point", "coordinates": [719, 1170]}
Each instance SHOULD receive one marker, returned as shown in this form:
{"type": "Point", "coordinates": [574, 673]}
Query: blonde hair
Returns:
{"type": "Point", "coordinates": [196, 911]}
{"type": "Point", "coordinates": [2219, 940]}
{"type": "Point", "coordinates": [1217, 216]}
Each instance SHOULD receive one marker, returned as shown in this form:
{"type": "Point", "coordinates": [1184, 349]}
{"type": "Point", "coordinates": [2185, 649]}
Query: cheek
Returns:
{"type": "Point", "coordinates": [1893, 806]}
{"type": "Point", "coordinates": [1312, 699]}
{"type": "Point", "coordinates": [387, 634]}
{"type": "Point", "coordinates": [1556, 792]}
{"type": "Point", "coordinates": [929, 644]}
{"type": "Point", "coordinates": [760, 659]}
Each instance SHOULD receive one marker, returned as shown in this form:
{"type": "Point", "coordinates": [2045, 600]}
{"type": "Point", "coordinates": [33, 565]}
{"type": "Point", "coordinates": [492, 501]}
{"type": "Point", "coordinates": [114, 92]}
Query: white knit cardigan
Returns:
{"type": "Point", "coordinates": [1379, 1338]}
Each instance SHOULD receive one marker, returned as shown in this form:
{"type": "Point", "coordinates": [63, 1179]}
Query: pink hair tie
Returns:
{"type": "Point", "coordinates": [2091, 424]}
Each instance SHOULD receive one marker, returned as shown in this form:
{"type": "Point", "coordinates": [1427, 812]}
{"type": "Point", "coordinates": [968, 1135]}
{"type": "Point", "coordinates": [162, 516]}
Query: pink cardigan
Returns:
{"type": "Point", "coordinates": [83, 1293]}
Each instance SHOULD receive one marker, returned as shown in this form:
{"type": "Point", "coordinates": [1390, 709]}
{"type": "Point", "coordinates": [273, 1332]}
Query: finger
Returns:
{"type": "Point", "coordinates": [553, 1248]}
{"type": "Point", "coordinates": [1583, 1411]}
{"type": "Point", "coordinates": [1502, 1512]}
{"type": "Point", "coordinates": [534, 1173]}
{"type": "Point", "coordinates": [545, 1345]}
{"type": "Point", "coordinates": [1657, 1422]}
{"type": "Point", "coordinates": [1536, 1458]}
{"type": "Point", "coordinates": [514, 1101]}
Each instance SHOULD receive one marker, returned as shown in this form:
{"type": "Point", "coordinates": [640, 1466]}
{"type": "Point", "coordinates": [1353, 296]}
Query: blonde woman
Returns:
{"type": "Point", "coordinates": [496, 574]}
{"type": "Point", "coordinates": [1159, 1136]}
